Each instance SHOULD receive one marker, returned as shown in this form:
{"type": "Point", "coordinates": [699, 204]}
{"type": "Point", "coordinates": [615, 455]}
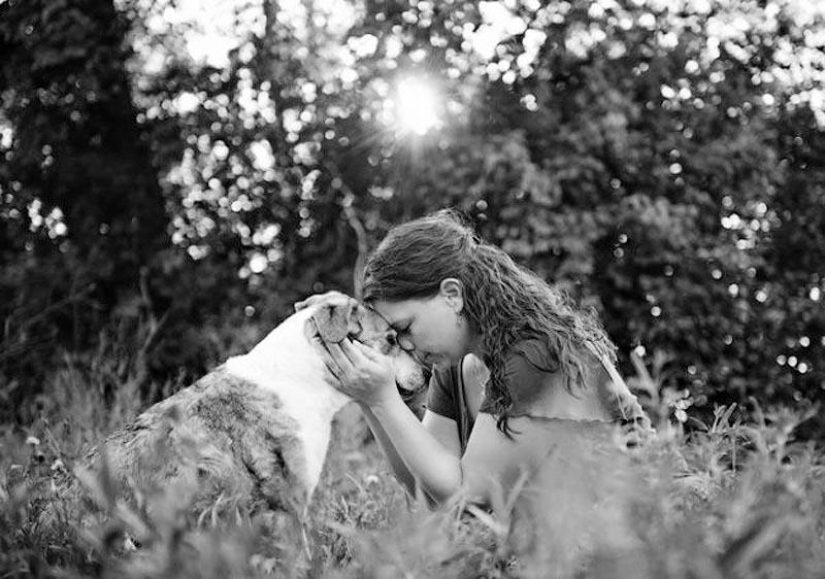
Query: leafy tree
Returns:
{"type": "Point", "coordinates": [661, 162]}
{"type": "Point", "coordinates": [81, 205]}
{"type": "Point", "coordinates": [654, 159]}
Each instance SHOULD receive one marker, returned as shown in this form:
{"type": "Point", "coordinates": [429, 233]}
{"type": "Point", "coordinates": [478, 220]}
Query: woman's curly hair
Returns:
{"type": "Point", "coordinates": [504, 303]}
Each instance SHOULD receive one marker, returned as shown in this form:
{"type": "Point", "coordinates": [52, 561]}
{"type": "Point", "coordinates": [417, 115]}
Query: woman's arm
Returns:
{"type": "Point", "coordinates": [435, 468]}
{"type": "Point", "coordinates": [368, 377]}
{"type": "Point", "coordinates": [486, 471]}
{"type": "Point", "coordinates": [421, 453]}
{"type": "Point", "coordinates": [444, 430]}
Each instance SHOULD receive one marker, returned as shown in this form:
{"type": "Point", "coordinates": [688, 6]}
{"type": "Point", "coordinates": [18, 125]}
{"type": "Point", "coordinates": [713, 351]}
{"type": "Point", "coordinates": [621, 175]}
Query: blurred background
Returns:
{"type": "Point", "coordinates": [174, 174]}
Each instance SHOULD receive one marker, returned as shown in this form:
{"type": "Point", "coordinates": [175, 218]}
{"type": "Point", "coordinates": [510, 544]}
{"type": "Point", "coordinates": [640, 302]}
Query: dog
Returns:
{"type": "Point", "coordinates": [259, 425]}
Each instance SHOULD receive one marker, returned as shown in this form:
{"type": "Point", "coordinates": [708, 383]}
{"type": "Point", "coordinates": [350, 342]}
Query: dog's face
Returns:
{"type": "Point", "coordinates": [340, 317]}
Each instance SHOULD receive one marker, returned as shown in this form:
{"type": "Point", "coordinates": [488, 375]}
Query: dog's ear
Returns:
{"type": "Point", "coordinates": [337, 319]}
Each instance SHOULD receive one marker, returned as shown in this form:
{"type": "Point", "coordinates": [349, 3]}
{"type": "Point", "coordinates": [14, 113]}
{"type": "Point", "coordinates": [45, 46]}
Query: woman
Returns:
{"type": "Point", "coordinates": [511, 360]}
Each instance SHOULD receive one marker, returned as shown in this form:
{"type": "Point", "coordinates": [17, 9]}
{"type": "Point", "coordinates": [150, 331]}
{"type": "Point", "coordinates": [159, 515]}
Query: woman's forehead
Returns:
{"type": "Point", "coordinates": [398, 310]}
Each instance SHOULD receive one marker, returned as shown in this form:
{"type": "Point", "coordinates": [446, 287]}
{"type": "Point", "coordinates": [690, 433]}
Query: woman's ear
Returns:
{"type": "Point", "coordinates": [452, 290]}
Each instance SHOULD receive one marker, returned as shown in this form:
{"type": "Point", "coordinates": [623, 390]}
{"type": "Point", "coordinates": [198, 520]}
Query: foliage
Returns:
{"type": "Point", "coordinates": [748, 503]}
{"type": "Point", "coordinates": [661, 162]}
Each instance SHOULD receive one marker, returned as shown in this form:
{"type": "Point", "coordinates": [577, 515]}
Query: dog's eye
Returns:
{"type": "Point", "coordinates": [401, 339]}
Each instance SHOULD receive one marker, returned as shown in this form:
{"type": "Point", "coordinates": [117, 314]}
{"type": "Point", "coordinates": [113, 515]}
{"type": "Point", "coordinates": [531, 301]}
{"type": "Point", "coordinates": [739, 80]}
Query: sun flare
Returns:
{"type": "Point", "coordinates": [417, 106]}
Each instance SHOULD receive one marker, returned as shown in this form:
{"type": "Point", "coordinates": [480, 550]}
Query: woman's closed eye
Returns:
{"type": "Point", "coordinates": [402, 337]}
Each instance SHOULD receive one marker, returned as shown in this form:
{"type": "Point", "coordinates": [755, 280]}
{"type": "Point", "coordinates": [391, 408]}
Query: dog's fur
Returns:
{"type": "Point", "coordinates": [259, 425]}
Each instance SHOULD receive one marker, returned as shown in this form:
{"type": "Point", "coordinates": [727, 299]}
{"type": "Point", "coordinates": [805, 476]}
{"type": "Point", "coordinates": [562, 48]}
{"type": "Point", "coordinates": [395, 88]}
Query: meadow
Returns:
{"type": "Point", "coordinates": [749, 504]}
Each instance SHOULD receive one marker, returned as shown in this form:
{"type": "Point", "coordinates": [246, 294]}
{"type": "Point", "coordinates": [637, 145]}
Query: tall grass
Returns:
{"type": "Point", "coordinates": [734, 499]}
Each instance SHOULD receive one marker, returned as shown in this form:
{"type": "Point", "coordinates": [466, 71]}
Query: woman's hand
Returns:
{"type": "Point", "coordinates": [363, 374]}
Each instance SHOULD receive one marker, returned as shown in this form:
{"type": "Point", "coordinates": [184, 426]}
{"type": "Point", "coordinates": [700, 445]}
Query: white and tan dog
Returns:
{"type": "Point", "coordinates": [259, 425]}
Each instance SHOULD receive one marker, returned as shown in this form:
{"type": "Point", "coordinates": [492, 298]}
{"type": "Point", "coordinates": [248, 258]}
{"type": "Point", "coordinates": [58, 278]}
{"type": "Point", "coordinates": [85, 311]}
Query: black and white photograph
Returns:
{"type": "Point", "coordinates": [416, 289]}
